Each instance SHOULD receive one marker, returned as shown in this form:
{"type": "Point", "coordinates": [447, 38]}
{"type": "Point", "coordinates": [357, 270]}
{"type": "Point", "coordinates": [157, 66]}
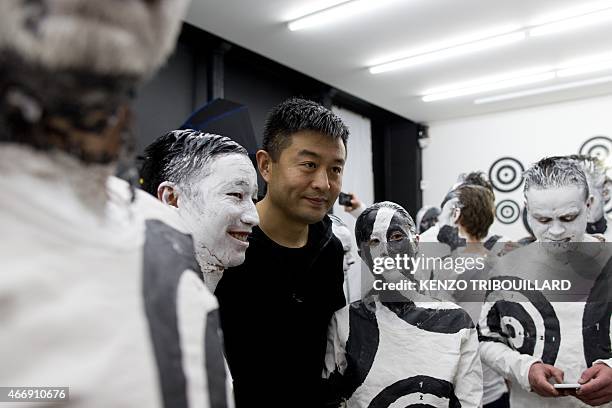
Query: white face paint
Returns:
{"type": "Point", "coordinates": [557, 215]}
{"type": "Point", "coordinates": [448, 214]}
{"type": "Point", "coordinates": [220, 210]}
{"type": "Point", "coordinates": [596, 210]}
{"type": "Point", "coordinates": [344, 235]}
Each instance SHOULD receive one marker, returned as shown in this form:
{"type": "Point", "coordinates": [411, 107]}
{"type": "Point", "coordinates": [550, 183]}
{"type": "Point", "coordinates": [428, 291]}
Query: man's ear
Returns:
{"type": "Point", "coordinates": [264, 162]}
{"type": "Point", "coordinates": [590, 200]}
{"type": "Point", "coordinates": [168, 194]}
{"type": "Point", "coordinates": [456, 215]}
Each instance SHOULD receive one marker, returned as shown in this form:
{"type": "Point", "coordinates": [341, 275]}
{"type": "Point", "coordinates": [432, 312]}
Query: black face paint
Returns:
{"type": "Point", "coordinates": [396, 240]}
{"type": "Point", "coordinates": [451, 194]}
{"type": "Point", "coordinates": [450, 236]}
{"type": "Point", "coordinates": [598, 227]}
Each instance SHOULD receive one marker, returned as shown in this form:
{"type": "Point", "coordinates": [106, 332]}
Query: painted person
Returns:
{"type": "Point", "coordinates": [426, 218]}
{"type": "Point", "coordinates": [536, 337]}
{"type": "Point", "coordinates": [275, 307]}
{"type": "Point", "coordinates": [95, 295]}
{"type": "Point", "coordinates": [596, 177]}
{"type": "Point", "coordinates": [399, 347]}
{"type": "Point", "coordinates": [474, 214]}
{"type": "Point", "coordinates": [210, 182]}
{"type": "Point", "coordinates": [342, 232]}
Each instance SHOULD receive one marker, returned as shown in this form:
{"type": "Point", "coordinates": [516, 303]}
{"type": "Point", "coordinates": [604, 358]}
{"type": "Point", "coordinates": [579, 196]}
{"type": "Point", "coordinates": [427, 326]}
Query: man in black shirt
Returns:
{"type": "Point", "coordinates": [275, 308]}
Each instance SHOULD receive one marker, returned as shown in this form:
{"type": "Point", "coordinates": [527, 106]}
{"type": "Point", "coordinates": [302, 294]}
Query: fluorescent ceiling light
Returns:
{"type": "Point", "coordinates": [585, 69]}
{"type": "Point", "coordinates": [508, 83]}
{"type": "Point", "coordinates": [572, 23]}
{"type": "Point", "coordinates": [543, 90]}
{"type": "Point", "coordinates": [332, 14]}
{"type": "Point", "coordinates": [449, 52]}
{"type": "Point", "coordinates": [488, 80]}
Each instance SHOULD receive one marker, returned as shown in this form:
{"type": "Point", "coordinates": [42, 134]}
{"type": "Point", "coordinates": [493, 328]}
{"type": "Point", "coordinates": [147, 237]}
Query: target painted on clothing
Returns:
{"type": "Point", "coordinates": [596, 328]}
{"type": "Point", "coordinates": [526, 318]}
{"type": "Point", "coordinates": [598, 146]}
{"type": "Point", "coordinates": [506, 174]}
{"type": "Point", "coordinates": [420, 391]}
{"type": "Point", "coordinates": [507, 211]}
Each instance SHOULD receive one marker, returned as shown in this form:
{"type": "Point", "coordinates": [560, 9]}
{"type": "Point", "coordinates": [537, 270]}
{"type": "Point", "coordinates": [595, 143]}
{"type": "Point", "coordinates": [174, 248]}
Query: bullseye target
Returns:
{"type": "Point", "coordinates": [506, 174]}
{"type": "Point", "coordinates": [507, 211]}
{"type": "Point", "coordinates": [420, 391]}
{"type": "Point", "coordinates": [526, 319]}
{"type": "Point", "coordinates": [598, 146]}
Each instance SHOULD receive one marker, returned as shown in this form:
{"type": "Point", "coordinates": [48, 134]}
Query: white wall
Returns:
{"type": "Point", "coordinates": [358, 178]}
{"type": "Point", "coordinates": [474, 143]}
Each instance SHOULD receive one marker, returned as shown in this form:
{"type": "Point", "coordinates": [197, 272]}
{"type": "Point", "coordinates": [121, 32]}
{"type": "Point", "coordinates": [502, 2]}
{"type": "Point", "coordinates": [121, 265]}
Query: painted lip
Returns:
{"type": "Point", "coordinates": [240, 236]}
{"type": "Point", "coordinates": [568, 239]}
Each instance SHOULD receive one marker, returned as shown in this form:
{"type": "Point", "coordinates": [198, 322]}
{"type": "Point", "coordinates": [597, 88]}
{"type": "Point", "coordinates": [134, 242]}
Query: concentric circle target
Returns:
{"type": "Point", "coordinates": [598, 146]}
{"type": "Point", "coordinates": [420, 391]}
{"type": "Point", "coordinates": [507, 211]}
{"type": "Point", "coordinates": [526, 319]}
{"type": "Point", "coordinates": [506, 174]}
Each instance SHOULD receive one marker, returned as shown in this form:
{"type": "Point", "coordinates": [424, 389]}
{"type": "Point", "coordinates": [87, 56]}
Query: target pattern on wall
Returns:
{"type": "Point", "coordinates": [506, 174]}
{"type": "Point", "coordinates": [507, 211]}
{"type": "Point", "coordinates": [597, 146]}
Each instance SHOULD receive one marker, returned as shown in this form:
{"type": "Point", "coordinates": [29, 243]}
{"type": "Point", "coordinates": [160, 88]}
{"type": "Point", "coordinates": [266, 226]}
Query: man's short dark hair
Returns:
{"type": "Point", "coordinates": [295, 115]}
{"type": "Point", "coordinates": [181, 154]}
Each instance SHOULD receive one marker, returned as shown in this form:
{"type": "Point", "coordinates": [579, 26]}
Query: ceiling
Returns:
{"type": "Point", "coordinates": [340, 52]}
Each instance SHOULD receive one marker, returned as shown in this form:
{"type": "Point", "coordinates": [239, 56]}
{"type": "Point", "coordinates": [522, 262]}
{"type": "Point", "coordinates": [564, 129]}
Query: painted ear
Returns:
{"type": "Point", "coordinates": [264, 161]}
{"type": "Point", "coordinates": [590, 200]}
{"type": "Point", "coordinates": [168, 194]}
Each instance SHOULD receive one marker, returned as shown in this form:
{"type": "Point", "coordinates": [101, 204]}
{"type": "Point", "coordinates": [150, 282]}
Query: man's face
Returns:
{"type": "Point", "coordinates": [344, 235]}
{"type": "Point", "coordinates": [390, 236]}
{"type": "Point", "coordinates": [307, 178]}
{"type": "Point", "coordinates": [220, 210]}
{"type": "Point", "coordinates": [557, 215]}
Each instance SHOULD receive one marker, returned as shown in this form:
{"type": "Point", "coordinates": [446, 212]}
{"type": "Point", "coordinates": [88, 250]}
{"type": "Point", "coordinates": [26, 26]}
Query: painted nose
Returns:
{"type": "Point", "coordinates": [556, 229]}
{"type": "Point", "coordinates": [250, 216]}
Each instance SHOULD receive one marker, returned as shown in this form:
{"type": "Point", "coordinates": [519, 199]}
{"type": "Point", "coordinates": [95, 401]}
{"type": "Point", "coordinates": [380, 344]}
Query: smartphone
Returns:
{"type": "Point", "coordinates": [568, 386]}
{"type": "Point", "coordinates": [345, 199]}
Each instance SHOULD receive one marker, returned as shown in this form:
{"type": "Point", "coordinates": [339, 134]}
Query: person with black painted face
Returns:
{"type": "Point", "coordinates": [398, 346]}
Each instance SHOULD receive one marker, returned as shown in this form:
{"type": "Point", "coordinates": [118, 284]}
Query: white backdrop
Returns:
{"type": "Point", "coordinates": [475, 143]}
{"type": "Point", "coordinates": [358, 179]}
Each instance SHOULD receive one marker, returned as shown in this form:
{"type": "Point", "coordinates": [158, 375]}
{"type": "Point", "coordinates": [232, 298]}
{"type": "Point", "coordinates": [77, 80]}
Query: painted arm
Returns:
{"type": "Point", "coordinates": [468, 379]}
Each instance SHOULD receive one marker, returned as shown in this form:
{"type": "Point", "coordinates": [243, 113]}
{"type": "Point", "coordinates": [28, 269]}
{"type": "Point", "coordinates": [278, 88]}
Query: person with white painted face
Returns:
{"type": "Point", "coordinates": [342, 232]}
{"type": "Point", "coordinates": [397, 347]}
{"type": "Point", "coordinates": [538, 337]}
{"type": "Point", "coordinates": [596, 177]}
{"type": "Point", "coordinates": [275, 307]}
{"type": "Point", "coordinates": [99, 285]}
{"type": "Point", "coordinates": [211, 184]}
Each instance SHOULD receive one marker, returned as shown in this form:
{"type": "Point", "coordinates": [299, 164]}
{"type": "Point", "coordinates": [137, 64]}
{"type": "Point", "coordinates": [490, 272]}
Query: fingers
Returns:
{"type": "Point", "coordinates": [557, 374]}
{"type": "Point", "coordinates": [592, 386]}
{"type": "Point", "coordinates": [588, 374]}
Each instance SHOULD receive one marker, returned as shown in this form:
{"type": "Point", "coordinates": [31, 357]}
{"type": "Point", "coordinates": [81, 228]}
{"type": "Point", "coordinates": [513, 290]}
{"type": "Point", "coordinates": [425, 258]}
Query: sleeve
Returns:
{"type": "Point", "coordinates": [607, 361]}
{"type": "Point", "coordinates": [497, 353]}
{"type": "Point", "coordinates": [335, 358]}
{"type": "Point", "coordinates": [468, 379]}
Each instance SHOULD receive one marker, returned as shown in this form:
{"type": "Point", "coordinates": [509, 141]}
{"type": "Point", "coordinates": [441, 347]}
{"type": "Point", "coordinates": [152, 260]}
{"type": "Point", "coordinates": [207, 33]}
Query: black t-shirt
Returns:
{"type": "Point", "coordinates": [275, 309]}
